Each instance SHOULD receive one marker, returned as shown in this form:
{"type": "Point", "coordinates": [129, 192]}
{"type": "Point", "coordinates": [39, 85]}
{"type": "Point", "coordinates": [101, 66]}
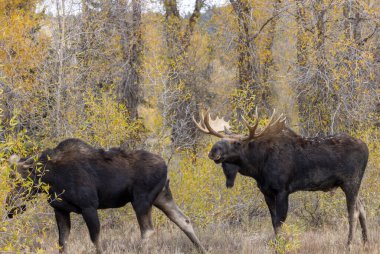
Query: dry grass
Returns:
{"type": "Point", "coordinates": [123, 236]}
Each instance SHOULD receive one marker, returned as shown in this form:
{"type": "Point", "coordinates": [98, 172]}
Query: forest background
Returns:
{"type": "Point", "coordinates": [120, 73]}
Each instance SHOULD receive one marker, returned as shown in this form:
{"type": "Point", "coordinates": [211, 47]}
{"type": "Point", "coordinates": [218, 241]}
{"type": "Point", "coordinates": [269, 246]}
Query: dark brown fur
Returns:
{"type": "Point", "coordinates": [285, 162]}
{"type": "Point", "coordinates": [86, 179]}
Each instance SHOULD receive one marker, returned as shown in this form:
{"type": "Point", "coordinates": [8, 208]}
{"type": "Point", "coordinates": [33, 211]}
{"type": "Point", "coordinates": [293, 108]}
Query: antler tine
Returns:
{"type": "Point", "coordinates": [207, 125]}
{"type": "Point", "coordinates": [215, 127]}
{"type": "Point", "coordinates": [210, 129]}
{"type": "Point", "coordinates": [277, 121]}
{"type": "Point", "coordinates": [252, 129]}
{"type": "Point", "coordinates": [226, 125]}
{"type": "Point", "coordinates": [272, 116]}
{"type": "Point", "coordinates": [265, 128]}
{"type": "Point", "coordinates": [280, 120]}
{"type": "Point", "coordinates": [273, 125]}
{"type": "Point", "coordinates": [274, 122]}
{"type": "Point", "coordinates": [278, 124]}
{"type": "Point", "coordinates": [201, 124]}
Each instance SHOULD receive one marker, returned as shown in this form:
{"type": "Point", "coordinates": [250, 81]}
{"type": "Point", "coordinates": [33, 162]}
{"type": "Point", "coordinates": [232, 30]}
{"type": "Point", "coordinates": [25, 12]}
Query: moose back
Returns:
{"type": "Point", "coordinates": [86, 179]}
{"type": "Point", "coordinates": [283, 162]}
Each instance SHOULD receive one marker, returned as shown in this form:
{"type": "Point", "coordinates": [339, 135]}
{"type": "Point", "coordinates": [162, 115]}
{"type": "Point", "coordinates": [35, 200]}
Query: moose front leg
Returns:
{"type": "Point", "coordinates": [270, 200]}
{"type": "Point", "coordinates": [281, 208]}
{"type": "Point", "coordinates": [143, 212]}
{"type": "Point", "coordinates": [90, 216]}
{"type": "Point", "coordinates": [63, 223]}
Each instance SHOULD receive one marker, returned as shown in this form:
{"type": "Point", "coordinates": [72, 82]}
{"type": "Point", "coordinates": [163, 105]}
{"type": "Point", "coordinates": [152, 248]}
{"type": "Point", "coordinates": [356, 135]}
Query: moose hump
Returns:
{"type": "Point", "coordinates": [70, 149]}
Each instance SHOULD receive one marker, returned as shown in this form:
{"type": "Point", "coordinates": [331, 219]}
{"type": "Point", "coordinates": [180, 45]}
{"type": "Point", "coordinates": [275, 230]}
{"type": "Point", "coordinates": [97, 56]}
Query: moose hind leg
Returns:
{"type": "Point", "coordinates": [143, 212]}
{"type": "Point", "coordinates": [90, 216]}
{"type": "Point", "coordinates": [166, 204]}
{"type": "Point", "coordinates": [351, 197]}
{"type": "Point", "coordinates": [362, 219]}
{"type": "Point", "coordinates": [64, 225]}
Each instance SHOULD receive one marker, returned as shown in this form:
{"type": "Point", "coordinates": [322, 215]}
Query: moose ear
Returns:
{"type": "Point", "coordinates": [14, 159]}
{"type": "Point", "coordinates": [28, 163]}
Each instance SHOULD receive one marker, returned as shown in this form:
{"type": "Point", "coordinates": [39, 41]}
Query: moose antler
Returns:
{"type": "Point", "coordinates": [273, 126]}
{"type": "Point", "coordinates": [214, 127]}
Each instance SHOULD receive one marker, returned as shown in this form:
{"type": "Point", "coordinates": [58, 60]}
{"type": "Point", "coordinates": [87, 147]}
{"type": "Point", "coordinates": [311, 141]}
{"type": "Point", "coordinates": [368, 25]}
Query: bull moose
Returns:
{"type": "Point", "coordinates": [283, 162]}
{"type": "Point", "coordinates": [86, 179]}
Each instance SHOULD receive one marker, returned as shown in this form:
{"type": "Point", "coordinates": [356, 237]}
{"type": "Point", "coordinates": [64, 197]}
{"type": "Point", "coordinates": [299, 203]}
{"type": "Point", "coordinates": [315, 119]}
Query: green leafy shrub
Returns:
{"type": "Point", "coordinates": [287, 241]}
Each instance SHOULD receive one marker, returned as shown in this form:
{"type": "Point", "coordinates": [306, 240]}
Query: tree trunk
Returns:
{"type": "Point", "coordinates": [248, 68]}
{"type": "Point", "coordinates": [252, 76]}
{"type": "Point", "coordinates": [268, 63]}
{"type": "Point", "coordinates": [301, 34]}
{"type": "Point", "coordinates": [129, 89]}
{"type": "Point", "coordinates": [181, 103]}
{"type": "Point", "coordinates": [60, 5]}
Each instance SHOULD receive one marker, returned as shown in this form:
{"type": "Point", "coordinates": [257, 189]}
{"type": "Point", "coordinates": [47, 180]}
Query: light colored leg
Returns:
{"type": "Point", "coordinates": [362, 220]}
{"type": "Point", "coordinates": [351, 197]}
{"type": "Point", "coordinates": [165, 203]}
{"type": "Point", "coordinates": [143, 212]}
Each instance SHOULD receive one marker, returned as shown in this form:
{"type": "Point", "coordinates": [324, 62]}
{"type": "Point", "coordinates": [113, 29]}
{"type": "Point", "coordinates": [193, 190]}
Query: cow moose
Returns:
{"type": "Point", "coordinates": [283, 162]}
{"type": "Point", "coordinates": [86, 179]}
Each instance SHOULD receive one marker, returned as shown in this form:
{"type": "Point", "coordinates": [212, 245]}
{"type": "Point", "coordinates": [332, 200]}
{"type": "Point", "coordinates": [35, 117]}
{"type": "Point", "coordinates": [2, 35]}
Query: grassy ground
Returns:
{"type": "Point", "coordinates": [123, 236]}
{"type": "Point", "coordinates": [205, 203]}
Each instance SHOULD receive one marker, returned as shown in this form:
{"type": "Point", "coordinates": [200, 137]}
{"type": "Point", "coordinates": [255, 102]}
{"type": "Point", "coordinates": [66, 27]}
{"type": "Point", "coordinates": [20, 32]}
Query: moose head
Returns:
{"type": "Point", "coordinates": [231, 147]}
{"type": "Point", "coordinates": [25, 188]}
